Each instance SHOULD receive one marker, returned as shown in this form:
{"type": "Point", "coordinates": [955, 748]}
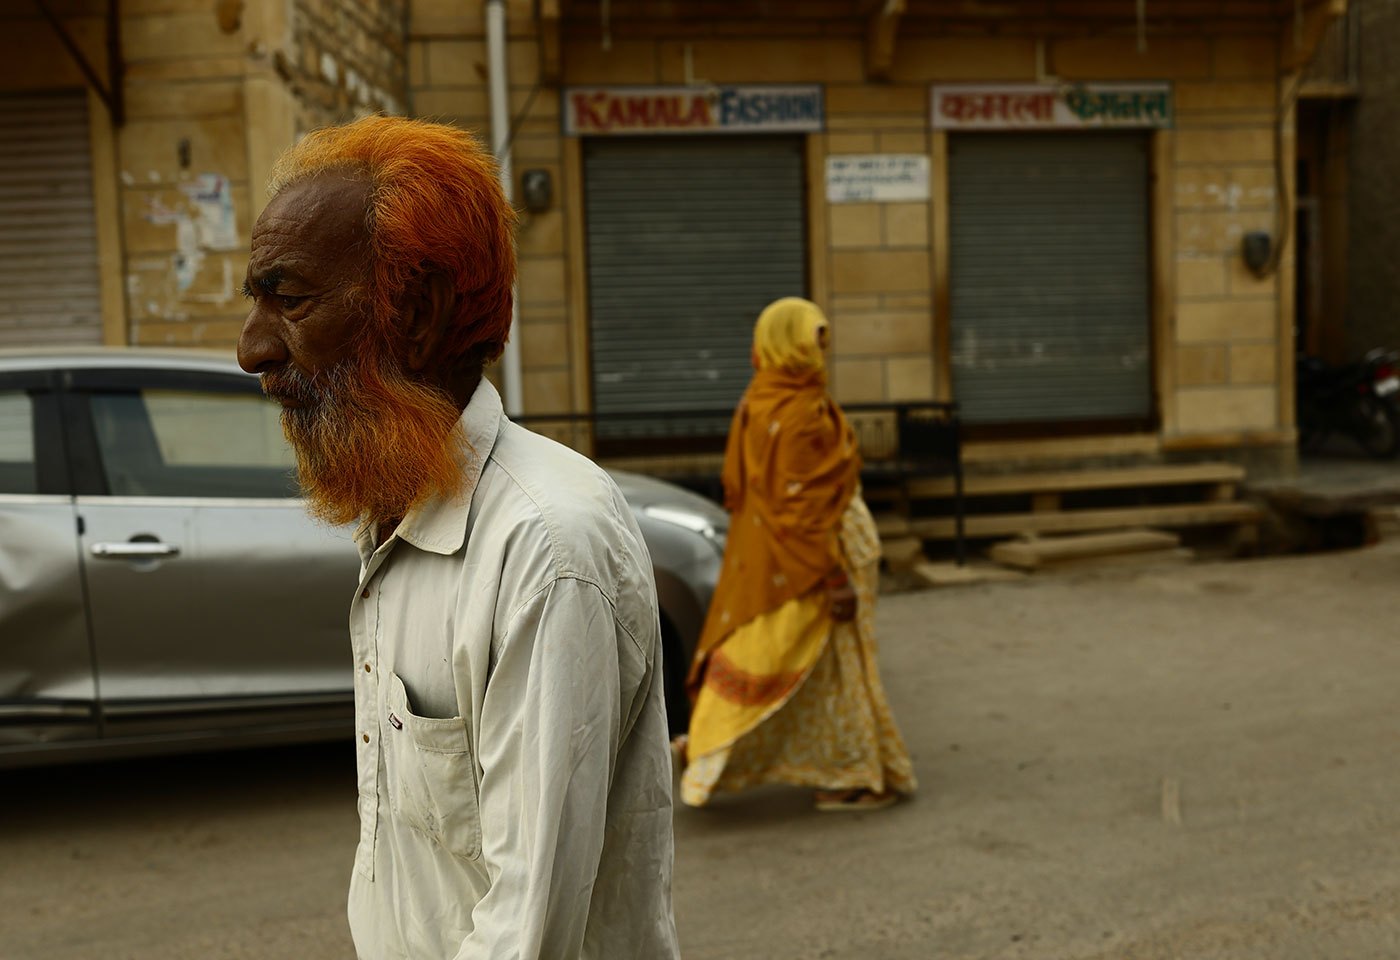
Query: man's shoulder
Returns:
{"type": "Point", "coordinates": [567, 503]}
{"type": "Point", "coordinates": [554, 477]}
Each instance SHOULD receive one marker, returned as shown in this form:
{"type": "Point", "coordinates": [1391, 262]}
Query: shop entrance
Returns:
{"type": "Point", "coordinates": [49, 286]}
{"type": "Point", "coordinates": [689, 238]}
{"type": "Point", "coordinates": [1050, 279]}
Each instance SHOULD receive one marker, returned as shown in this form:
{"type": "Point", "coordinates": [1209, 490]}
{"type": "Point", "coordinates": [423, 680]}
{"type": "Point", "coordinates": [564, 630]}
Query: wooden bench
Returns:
{"type": "Point", "coordinates": [1215, 506]}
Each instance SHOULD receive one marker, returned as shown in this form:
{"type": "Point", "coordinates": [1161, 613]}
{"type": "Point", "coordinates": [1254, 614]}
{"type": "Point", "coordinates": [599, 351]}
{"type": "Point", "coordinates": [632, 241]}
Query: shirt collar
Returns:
{"type": "Point", "coordinates": [439, 524]}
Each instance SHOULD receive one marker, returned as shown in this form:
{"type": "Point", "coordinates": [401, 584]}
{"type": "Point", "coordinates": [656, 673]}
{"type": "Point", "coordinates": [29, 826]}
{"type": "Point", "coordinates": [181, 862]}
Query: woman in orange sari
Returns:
{"type": "Point", "coordinates": [785, 684]}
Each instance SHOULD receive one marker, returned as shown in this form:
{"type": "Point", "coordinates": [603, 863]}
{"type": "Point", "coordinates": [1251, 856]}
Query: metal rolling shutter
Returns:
{"type": "Point", "coordinates": [688, 240]}
{"type": "Point", "coordinates": [1050, 276]}
{"type": "Point", "coordinates": [49, 291]}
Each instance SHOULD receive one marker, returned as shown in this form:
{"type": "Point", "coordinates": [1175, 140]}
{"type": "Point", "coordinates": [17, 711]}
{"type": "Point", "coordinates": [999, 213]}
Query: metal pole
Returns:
{"type": "Point", "coordinates": [500, 146]}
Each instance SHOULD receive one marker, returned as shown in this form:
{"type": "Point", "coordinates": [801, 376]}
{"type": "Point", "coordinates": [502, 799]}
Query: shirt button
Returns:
{"type": "Point", "coordinates": [366, 668]}
{"type": "Point", "coordinates": [365, 594]}
{"type": "Point", "coordinates": [366, 738]}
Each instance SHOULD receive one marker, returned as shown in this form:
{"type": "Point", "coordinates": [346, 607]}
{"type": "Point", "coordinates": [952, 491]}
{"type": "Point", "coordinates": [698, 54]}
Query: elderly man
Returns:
{"type": "Point", "coordinates": [514, 779]}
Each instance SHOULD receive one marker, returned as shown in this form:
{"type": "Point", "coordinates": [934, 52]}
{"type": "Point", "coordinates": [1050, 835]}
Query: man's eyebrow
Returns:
{"type": "Point", "coordinates": [266, 282]}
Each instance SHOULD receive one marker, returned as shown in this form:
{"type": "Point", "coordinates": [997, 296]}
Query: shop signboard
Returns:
{"type": "Point", "coordinates": [780, 108]}
{"type": "Point", "coordinates": [1075, 106]}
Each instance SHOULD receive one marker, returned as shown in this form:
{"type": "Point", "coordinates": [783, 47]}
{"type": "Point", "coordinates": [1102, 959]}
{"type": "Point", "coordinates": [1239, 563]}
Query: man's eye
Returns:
{"type": "Point", "coordinates": [291, 303]}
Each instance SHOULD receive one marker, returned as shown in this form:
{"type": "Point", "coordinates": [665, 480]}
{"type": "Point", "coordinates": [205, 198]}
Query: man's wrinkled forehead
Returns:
{"type": "Point", "coordinates": [320, 221]}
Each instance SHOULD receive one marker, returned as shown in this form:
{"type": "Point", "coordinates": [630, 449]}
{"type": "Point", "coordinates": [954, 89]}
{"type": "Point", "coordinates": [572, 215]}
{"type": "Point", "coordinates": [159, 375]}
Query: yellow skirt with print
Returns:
{"type": "Point", "coordinates": [793, 697]}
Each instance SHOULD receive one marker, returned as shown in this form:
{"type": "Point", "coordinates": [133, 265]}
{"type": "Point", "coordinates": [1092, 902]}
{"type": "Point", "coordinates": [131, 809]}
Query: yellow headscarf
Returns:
{"type": "Point", "coordinates": [787, 334]}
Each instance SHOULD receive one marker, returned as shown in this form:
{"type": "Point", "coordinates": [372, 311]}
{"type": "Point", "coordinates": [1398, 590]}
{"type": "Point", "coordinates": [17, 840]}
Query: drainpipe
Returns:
{"type": "Point", "coordinates": [500, 145]}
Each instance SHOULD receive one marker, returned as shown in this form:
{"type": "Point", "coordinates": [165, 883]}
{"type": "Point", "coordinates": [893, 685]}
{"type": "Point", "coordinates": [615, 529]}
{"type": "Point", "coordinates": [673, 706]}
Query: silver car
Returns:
{"type": "Point", "coordinates": [161, 587]}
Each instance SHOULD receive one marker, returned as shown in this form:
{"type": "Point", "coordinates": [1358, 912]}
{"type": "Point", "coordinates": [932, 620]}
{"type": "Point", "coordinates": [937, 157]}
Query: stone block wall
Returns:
{"type": "Point", "coordinates": [1229, 360]}
{"type": "Point", "coordinates": [182, 165]}
{"type": "Point", "coordinates": [878, 258]}
{"type": "Point", "coordinates": [348, 58]}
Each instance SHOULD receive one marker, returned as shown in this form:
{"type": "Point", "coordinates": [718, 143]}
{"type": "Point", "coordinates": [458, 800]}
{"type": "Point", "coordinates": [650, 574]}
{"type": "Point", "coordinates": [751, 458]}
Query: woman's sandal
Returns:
{"type": "Point", "coordinates": [854, 801]}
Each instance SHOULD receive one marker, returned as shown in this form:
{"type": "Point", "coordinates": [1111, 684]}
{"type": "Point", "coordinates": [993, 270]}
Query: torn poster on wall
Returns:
{"type": "Point", "coordinates": [204, 222]}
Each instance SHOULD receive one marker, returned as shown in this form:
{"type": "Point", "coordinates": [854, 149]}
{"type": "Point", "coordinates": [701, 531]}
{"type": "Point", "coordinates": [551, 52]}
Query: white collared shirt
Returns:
{"type": "Point", "coordinates": [514, 776]}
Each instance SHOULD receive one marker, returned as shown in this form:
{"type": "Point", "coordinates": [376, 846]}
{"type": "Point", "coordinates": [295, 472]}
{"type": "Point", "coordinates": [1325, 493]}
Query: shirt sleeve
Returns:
{"type": "Point", "coordinates": [548, 740]}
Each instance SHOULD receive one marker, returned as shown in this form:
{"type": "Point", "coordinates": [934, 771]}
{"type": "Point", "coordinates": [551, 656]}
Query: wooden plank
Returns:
{"type": "Point", "coordinates": [1036, 553]}
{"type": "Point", "coordinates": [1151, 558]}
{"type": "Point", "coordinates": [1036, 483]}
{"type": "Point", "coordinates": [1057, 448]}
{"type": "Point", "coordinates": [1068, 521]}
{"type": "Point", "coordinates": [1233, 438]}
{"type": "Point", "coordinates": [952, 575]}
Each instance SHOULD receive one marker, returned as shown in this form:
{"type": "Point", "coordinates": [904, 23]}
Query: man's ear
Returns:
{"type": "Point", "coordinates": [426, 316]}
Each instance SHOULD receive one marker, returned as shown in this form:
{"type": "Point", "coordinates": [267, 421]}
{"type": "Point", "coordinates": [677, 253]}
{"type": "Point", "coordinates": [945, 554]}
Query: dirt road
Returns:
{"type": "Point", "coordinates": [1195, 762]}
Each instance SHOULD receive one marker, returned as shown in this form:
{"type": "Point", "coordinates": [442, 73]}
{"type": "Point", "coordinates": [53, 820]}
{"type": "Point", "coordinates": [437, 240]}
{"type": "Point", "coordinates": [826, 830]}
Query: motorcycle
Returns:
{"type": "Point", "coordinates": [1357, 400]}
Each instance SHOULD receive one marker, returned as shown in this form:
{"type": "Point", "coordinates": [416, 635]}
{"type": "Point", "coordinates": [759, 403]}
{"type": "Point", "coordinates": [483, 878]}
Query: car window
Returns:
{"type": "Point", "coordinates": [182, 443]}
{"type": "Point", "coordinates": [18, 471]}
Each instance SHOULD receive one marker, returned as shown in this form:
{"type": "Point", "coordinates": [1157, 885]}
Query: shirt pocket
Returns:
{"type": "Point", "coordinates": [432, 780]}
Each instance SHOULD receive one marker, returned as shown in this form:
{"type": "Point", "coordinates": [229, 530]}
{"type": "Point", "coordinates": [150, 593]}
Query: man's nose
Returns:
{"type": "Point", "coordinates": [259, 347]}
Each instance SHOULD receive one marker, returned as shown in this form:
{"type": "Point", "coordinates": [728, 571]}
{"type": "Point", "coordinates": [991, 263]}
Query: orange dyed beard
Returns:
{"type": "Point", "coordinates": [370, 441]}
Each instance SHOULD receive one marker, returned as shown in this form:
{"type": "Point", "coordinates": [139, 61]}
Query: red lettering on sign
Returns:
{"type": "Point", "coordinates": [639, 112]}
{"type": "Point", "coordinates": [601, 112]}
{"type": "Point", "coordinates": [584, 114]}
{"type": "Point", "coordinates": [699, 112]}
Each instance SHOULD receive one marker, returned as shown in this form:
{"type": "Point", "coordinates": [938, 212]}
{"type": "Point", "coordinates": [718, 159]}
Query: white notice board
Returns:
{"type": "Point", "coordinates": [877, 178]}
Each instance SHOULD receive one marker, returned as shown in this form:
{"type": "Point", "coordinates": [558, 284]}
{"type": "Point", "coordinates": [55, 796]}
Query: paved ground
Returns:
{"type": "Point", "coordinates": [1053, 722]}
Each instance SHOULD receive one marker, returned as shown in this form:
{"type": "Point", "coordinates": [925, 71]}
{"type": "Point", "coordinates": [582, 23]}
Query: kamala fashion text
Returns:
{"type": "Point", "coordinates": [732, 109]}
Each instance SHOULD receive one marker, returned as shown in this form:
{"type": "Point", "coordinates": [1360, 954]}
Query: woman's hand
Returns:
{"type": "Point", "coordinates": [842, 596]}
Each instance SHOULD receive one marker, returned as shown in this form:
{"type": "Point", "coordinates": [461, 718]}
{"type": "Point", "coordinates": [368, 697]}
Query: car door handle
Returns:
{"type": "Point", "coordinates": [134, 550]}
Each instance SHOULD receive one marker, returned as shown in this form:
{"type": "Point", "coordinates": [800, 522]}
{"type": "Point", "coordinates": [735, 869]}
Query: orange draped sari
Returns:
{"type": "Point", "coordinates": [790, 471]}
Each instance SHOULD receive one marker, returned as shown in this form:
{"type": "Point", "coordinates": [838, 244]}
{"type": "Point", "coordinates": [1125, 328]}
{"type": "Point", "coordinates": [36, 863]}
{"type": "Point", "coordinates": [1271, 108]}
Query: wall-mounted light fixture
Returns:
{"type": "Point", "coordinates": [1257, 247]}
{"type": "Point", "coordinates": [536, 190]}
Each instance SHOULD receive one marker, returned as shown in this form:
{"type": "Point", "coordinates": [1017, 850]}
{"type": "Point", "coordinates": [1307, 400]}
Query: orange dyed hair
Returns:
{"type": "Point", "coordinates": [435, 205]}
